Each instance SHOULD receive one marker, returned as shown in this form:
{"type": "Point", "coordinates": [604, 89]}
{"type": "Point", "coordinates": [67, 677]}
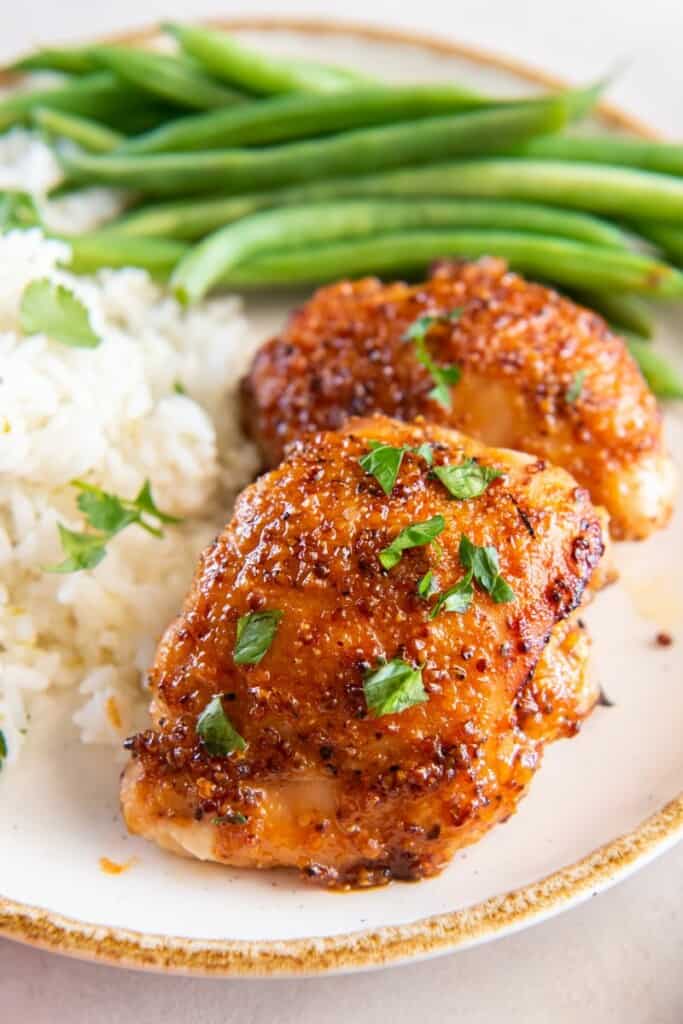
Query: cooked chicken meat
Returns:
{"type": "Point", "coordinates": [317, 706]}
{"type": "Point", "coordinates": [537, 373]}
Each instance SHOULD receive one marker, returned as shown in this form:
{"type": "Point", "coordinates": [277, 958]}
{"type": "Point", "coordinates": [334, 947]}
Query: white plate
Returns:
{"type": "Point", "coordinates": [602, 805]}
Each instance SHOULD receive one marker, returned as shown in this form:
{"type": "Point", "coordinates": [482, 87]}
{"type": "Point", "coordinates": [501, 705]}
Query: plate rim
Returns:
{"type": "Point", "coordinates": [390, 944]}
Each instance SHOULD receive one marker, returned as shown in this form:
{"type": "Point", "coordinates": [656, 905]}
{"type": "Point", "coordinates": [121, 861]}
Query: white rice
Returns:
{"type": "Point", "coordinates": [112, 415]}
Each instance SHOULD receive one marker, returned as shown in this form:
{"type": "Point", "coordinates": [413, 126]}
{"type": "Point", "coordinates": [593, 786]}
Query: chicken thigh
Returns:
{"type": "Point", "coordinates": [370, 659]}
{"type": "Point", "coordinates": [515, 364]}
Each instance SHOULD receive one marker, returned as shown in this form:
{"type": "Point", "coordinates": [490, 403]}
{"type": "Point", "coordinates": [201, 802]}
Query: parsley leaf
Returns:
{"type": "Point", "coordinates": [414, 536]}
{"type": "Point", "coordinates": [575, 388]}
{"type": "Point", "coordinates": [216, 731]}
{"type": "Point", "coordinates": [104, 511]}
{"type": "Point", "coordinates": [417, 330]}
{"type": "Point", "coordinates": [179, 387]}
{"type": "Point", "coordinates": [3, 748]}
{"type": "Point", "coordinates": [468, 480]}
{"type": "Point", "coordinates": [424, 324]}
{"type": "Point", "coordinates": [427, 585]}
{"type": "Point", "coordinates": [481, 565]}
{"type": "Point", "coordinates": [255, 634]}
{"type": "Point", "coordinates": [455, 599]}
{"type": "Point", "coordinates": [425, 451]}
{"type": "Point", "coordinates": [393, 687]}
{"type": "Point", "coordinates": [52, 309]}
{"type": "Point", "coordinates": [501, 591]}
{"type": "Point", "coordinates": [383, 461]}
{"type": "Point", "coordinates": [17, 210]}
{"type": "Point", "coordinates": [108, 514]}
{"type": "Point", "coordinates": [232, 818]}
{"type": "Point", "coordinates": [82, 550]}
{"type": "Point", "coordinates": [444, 377]}
{"type": "Point", "coordinates": [485, 568]}
{"type": "Point", "coordinates": [146, 503]}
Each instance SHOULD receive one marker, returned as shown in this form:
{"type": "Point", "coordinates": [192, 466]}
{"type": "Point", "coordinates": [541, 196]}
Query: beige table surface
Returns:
{"type": "Point", "coordinates": [618, 958]}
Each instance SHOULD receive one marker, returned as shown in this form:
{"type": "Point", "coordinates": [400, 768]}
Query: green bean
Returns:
{"type": "Point", "coordinates": [668, 237]}
{"type": "Point", "coordinates": [622, 192]}
{"type": "Point", "coordinates": [623, 312]}
{"type": "Point", "coordinates": [92, 136]}
{"type": "Point", "coordinates": [312, 224]}
{"type": "Point", "coordinates": [79, 61]}
{"type": "Point", "coordinates": [70, 60]}
{"type": "Point", "coordinates": [344, 76]}
{"type": "Point", "coordinates": [303, 115]}
{"type": "Point", "coordinates": [663, 379]}
{"type": "Point", "coordinates": [191, 219]}
{"type": "Point", "coordinates": [173, 78]}
{"type": "Point", "coordinates": [568, 263]}
{"type": "Point", "coordinates": [661, 157]}
{"type": "Point", "coordinates": [581, 101]}
{"type": "Point", "coordinates": [104, 248]}
{"type": "Point", "coordinates": [142, 116]}
{"type": "Point", "coordinates": [225, 58]}
{"type": "Point", "coordinates": [97, 96]}
{"type": "Point", "coordinates": [363, 150]}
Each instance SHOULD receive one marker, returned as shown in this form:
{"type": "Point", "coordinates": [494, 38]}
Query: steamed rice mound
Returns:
{"type": "Point", "coordinates": [154, 400]}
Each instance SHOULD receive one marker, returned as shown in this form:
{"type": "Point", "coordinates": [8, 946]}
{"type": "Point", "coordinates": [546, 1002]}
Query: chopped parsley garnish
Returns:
{"type": "Point", "coordinates": [3, 748]}
{"type": "Point", "coordinates": [575, 388]}
{"type": "Point", "coordinates": [108, 515]}
{"type": "Point", "coordinates": [425, 451]}
{"type": "Point", "coordinates": [455, 599]}
{"type": "Point", "coordinates": [17, 210]}
{"type": "Point", "coordinates": [468, 480]}
{"type": "Point", "coordinates": [233, 818]}
{"type": "Point", "coordinates": [255, 634]}
{"type": "Point", "coordinates": [145, 503]}
{"type": "Point", "coordinates": [52, 309]}
{"type": "Point", "coordinates": [383, 461]}
{"type": "Point", "coordinates": [481, 565]}
{"type": "Point", "coordinates": [82, 550]}
{"type": "Point", "coordinates": [393, 687]}
{"type": "Point", "coordinates": [444, 377]}
{"type": "Point", "coordinates": [216, 731]}
{"type": "Point", "coordinates": [179, 387]}
{"type": "Point", "coordinates": [104, 511]}
{"type": "Point", "coordinates": [414, 536]}
{"type": "Point", "coordinates": [427, 585]}
{"type": "Point", "coordinates": [484, 565]}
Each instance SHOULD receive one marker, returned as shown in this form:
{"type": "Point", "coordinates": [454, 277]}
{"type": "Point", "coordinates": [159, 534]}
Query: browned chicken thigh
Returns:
{"type": "Point", "coordinates": [515, 364]}
{"type": "Point", "coordinates": [370, 659]}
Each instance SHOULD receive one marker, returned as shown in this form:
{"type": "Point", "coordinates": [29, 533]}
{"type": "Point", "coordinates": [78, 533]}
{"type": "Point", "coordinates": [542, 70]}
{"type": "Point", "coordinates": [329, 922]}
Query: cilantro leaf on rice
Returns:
{"type": "Point", "coordinates": [52, 309]}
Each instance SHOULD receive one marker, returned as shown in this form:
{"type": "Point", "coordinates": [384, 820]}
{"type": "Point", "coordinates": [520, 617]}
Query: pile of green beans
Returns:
{"type": "Point", "coordinates": [560, 259]}
{"type": "Point", "coordinates": [175, 80]}
{"type": "Point", "coordinates": [246, 170]}
{"type": "Point", "coordinates": [302, 115]}
{"type": "Point", "coordinates": [299, 227]}
{"type": "Point", "coordinates": [92, 136]}
{"type": "Point", "coordinates": [232, 171]}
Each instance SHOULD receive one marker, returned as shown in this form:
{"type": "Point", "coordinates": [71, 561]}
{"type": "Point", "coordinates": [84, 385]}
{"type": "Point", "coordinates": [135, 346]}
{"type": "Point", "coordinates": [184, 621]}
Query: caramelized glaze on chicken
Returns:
{"type": "Point", "coordinates": [325, 784]}
{"type": "Point", "coordinates": [539, 373]}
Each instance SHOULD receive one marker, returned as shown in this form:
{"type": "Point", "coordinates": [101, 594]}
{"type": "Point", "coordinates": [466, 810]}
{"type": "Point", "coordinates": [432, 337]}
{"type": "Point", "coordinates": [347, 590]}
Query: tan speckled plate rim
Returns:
{"type": "Point", "coordinates": [378, 947]}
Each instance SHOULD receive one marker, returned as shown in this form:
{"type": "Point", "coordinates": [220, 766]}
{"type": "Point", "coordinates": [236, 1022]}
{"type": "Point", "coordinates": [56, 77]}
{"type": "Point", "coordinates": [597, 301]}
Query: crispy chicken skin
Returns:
{"type": "Point", "coordinates": [325, 785]}
{"type": "Point", "coordinates": [520, 347]}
